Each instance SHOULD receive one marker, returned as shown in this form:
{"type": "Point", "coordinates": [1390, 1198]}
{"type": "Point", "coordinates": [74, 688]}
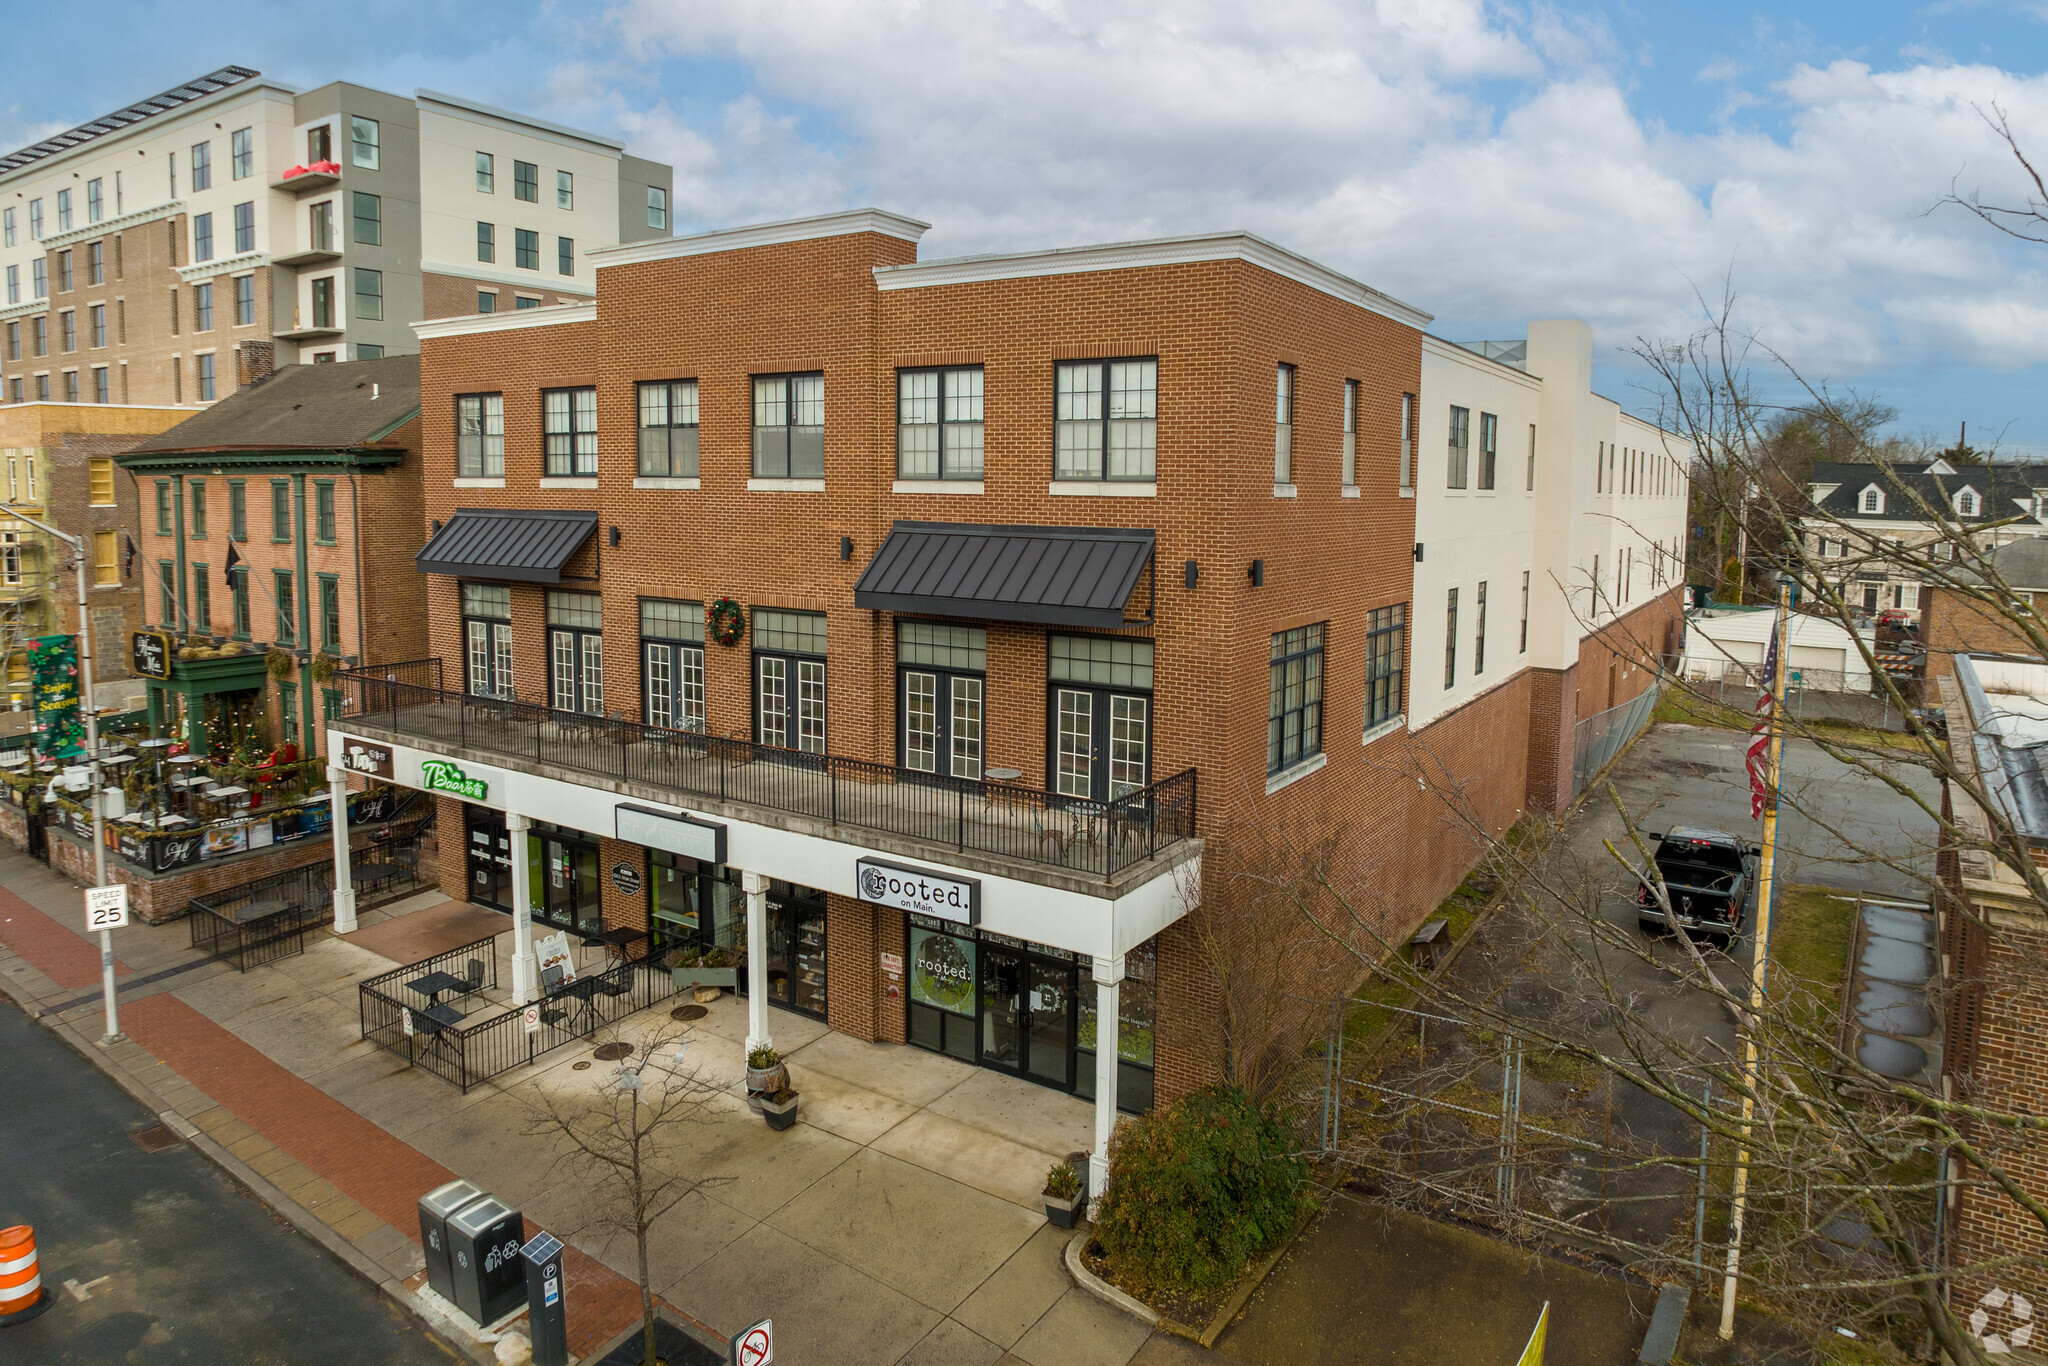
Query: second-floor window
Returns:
{"type": "Point", "coordinates": [67, 329]}
{"type": "Point", "coordinates": [245, 300]}
{"type": "Point", "coordinates": [1283, 426]}
{"type": "Point", "coordinates": [96, 263]}
{"type": "Point", "coordinates": [238, 589]}
{"type": "Point", "coordinates": [789, 426]}
{"type": "Point", "coordinates": [938, 424]}
{"type": "Point", "coordinates": [163, 507]}
{"type": "Point", "coordinates": [668, 429]}
{"type": "Point", "coordinates": [198, 492]}
{"type": "Point", "coordinates": [280, 510]}
{"type": "Point", "coordinates": [480, 436]}
{"type": "Point", "coordinates": [1458, 463]}
{"type": "Point", "coordinates": [487, 638]}
{"type": "Point", "coordinates": [1106, 420]}
{"type": "Point", "coordinates": [238, 510]}
{"type": "Point", "coordinates": [789, 679]}
{"type": "Point", "coordinates": [330, 613]}
{"type": "Point", "coordinates": [576, 652]}
{"type": "Point", "coordinates": [281, 583]}
{"type": "Point", "coordinates": [657, 207]}
{"type": "Point", "coordinates": [672, 654]}
{"type": "Point", "coordinates": [1386, 655]}
{"type": "Point", "coordinates": [202, 308]}
{"type": "Point", "coordinates": [569, 430]}
{"type": "Point", "coordinates": [323, 512]}
{"type": "Point", "coordinates": [1294, 706]}
{"type": "Point", "coordinates": [565, 256]}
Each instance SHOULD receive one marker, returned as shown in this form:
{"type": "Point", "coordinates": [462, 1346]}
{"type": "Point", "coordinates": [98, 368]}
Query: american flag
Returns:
{"type": "Point", "coordinates": [1758, 762]}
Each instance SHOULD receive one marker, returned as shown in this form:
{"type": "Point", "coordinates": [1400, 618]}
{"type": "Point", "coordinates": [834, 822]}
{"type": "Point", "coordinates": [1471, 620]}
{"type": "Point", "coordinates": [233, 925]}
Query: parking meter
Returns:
{"type": "Point", "coordinates": [547, 1306]}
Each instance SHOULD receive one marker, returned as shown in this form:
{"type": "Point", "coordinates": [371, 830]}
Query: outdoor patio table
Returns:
{"type": "Point", "coordinates": [585, 990]}
{"type": "Point", "coordinates": [374, 875]}
{"type": "Point", "coordinates": [445, 1015]}
{"type": "Point", "coordinates": [434, 983]}
{"type": "Point", "coordinates": [622, 938]}
{"type": "Point", "coordinates": [262, 910]}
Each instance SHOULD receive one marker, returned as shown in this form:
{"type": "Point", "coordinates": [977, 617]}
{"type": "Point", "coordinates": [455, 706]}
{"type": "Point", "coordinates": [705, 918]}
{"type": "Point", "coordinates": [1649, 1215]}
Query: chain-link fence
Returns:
{"type": "Point", "coordinates": [1597, 739]}
{"type": "Point", "coordinates": [1810, 694]}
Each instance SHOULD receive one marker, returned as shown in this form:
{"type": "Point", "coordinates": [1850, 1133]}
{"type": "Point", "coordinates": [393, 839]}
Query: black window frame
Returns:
{"type": "Point", "coordinates": [1386, 660]}
{"type": "Point", "coordinates": [943, 424]}
{"type": "Point", "coordinates": [565, 452]}
{"type": "Point", "coordinates": [667, 434]}
{"type": "Point", "coordinates": [565, 256]}
{"type": "Point", "coordinates": [486, 241]}
{"type": "Point", "coordinates": [526, 181]}
{"type": "Point", "coordinates": [1106, 365]}
{"type": "Point", "coordinates": [498, 631]}
{"type": "Point", "coordinates": [1489, 451]}
{"type": "Point", "coordinates": [200, 165]}
{"type": "Point", "coordinates": [202, 307]}
{"type": "Point", "coordinates": [1297, 668]}
{"type": "Point", "coordinates": [792, 661]}
{"type": "Point", "coordinates": [202, 237]}
{"type": "Point", "coordinates": [679, 647]}
{"type": "Point", "coordinates": [374, 219]}
{"type": "Point", "coordinates": [323, 301]}
{"type": "Point", "coordinates": [1525, 614]}
{"type": "Point", "coordinates": [944, 757]}
{"type": "Point", "coordinates": [245, 300]}
{"type": "Point", "coordinates": [1479, 629]}
{"type": "Point", "coordinates": [95, 263]}
{"type": "Point", "coordinates": [96, 325]}
{"type": "Point", "coordinates": [242, 153]}
{"type": "Point", "coordinates": [1451, 640]}
{"type": "Point", "coordinates": [526, 248]}
{"type": "Point", "coordinates": [1102, 714]}
{"type": "Point", "coordinates": [1458, 453]}
{"type": "Point", "coordinates": [483, 436]}
{"type": "Point", "coordinates": [579, 636]}
{"type": "Point", "coordinates": [765, 436]}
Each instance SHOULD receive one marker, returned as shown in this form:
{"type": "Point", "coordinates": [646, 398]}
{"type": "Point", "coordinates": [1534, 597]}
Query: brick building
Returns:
{"type": "Point", "coordinates": [57, 465]}
{"type": "Point", "coordinates": [1952, 622]}
{"type": "Point", "coordinates": [282, 519]}
{"type": "Point", "coordinates": [173, 251]}
{"type": "Point", "coordinates": [916, 627]}
{"type": "Point", "coordinates": [1993, 941]}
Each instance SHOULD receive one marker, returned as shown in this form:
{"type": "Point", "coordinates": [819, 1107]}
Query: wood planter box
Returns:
{"type": "Point", "coordinates": [685, 978]}
{"type": "Point", "coordinates": [780, 1114]}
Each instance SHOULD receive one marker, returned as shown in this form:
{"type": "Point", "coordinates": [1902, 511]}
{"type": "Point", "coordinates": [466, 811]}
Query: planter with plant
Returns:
{"type": "Point", "coordinates": [779, 1108]}
{"type": "Point", "coordinates": [325, 667]}
{"type": "Point", "coordinates": [766, 1072]}
{"type": "Point", "coordinates": [280, 661]}
{"type": "Point", "coordinates": [706, 970]}
{"type": "Point", "coordinates": [1066, 1200]}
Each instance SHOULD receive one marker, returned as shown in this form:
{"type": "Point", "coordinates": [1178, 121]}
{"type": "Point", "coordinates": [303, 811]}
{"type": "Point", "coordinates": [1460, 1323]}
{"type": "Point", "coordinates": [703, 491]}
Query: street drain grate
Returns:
{"type": "Point", "coordinates": [612, 1052]}
{"type": "Point", "coordinates": [582, 1066]}
{"type": "Point", "coordinates": [688, 1013]}
{"type": "Point", "coordinates": [155, 1138]}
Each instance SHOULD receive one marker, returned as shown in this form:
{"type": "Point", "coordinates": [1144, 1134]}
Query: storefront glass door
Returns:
{"type": "Point", "coordinates": [565, 880]}
{"type": "Point", "coordinates": [1027, 1022]}
{"type": "Point", "coordinates": [489, 857]}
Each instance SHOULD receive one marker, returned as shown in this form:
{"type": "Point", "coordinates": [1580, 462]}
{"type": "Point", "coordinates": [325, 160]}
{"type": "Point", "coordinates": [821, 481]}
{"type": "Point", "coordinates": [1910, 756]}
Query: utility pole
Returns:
{"type": "Point", "coordinates": [92, 759]}
{"type": "Point", "coordinates": [1760, 959]}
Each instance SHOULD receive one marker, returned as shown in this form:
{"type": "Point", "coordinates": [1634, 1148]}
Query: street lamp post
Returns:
{"type": "Point", "coordinates": [92, 759]}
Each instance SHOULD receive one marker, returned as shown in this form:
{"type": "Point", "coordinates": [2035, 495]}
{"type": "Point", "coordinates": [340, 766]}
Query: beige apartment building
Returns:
{"type": "Point", "coordinates": [173, 251]}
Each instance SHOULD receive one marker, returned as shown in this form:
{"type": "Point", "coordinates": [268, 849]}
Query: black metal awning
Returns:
{"type": "Point", "coordinates": [1056, 575]}
{"type": "Point", "coordinates": [520, 544]}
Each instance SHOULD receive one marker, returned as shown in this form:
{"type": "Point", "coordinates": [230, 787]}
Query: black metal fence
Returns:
{"type": "Point", "coordinates": [486, 1045]}
{"type": "Point", "coordinates": [262, 921]}
{"type": "Point", "coordinates": [1026, 823]}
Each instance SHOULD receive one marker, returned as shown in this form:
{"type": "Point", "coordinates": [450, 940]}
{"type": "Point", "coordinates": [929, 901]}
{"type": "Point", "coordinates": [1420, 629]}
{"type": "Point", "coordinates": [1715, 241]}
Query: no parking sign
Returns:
{"type": "Point", "coordinates": [754, 1345]}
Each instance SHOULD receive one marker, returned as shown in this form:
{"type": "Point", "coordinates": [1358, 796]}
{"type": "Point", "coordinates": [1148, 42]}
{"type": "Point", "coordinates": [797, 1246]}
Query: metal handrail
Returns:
{"type": "Point", "coordinates": [1027, 823]}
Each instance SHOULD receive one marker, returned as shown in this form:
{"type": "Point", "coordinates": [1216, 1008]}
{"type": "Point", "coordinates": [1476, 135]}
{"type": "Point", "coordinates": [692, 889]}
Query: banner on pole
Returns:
{"type": "Point", "coordinates": [53, 671]}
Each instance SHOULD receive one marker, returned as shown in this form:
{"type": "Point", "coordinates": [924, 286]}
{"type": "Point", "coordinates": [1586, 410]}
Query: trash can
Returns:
{"type": "Point", "coordinates": [435, 1207]}
{"type": "Point", "coordinates": [483, 1254]}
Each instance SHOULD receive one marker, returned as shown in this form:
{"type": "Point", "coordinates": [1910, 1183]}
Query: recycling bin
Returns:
{"type": "Point", "coordinates": [435, 1207]}
{"type": "Point", "coordinates": [484, 1237]}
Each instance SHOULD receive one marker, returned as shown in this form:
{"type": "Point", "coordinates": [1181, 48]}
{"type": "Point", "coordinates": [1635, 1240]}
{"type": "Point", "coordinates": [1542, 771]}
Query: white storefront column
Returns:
{"type": "Point", "coordinates": [1109, 974]}
{"type": "Point", "coordinates": [344, 877]}
{"type": "Point", "coordinates": [756, 888]}
{"type": "Point", "coordinates": [525, 973]}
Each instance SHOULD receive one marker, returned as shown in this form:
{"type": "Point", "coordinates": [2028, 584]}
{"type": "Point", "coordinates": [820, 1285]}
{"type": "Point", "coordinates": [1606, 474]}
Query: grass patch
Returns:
{"type": "Point", "coordinates": [1678, 706]}
{"type": "Point", "coordinates": [1461, 909]}
{"type": "Point", "coordinates": [1810, 932]}
{"type": "Point", "coordinates": [1841, 732]}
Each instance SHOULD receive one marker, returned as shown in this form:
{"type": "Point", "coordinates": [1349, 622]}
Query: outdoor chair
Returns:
{"type": "Point", "coordinates": [473, 978]}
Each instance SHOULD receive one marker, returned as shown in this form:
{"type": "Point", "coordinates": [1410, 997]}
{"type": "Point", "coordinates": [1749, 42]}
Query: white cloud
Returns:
{"type": "Point", "coordinates": [1481, 163]}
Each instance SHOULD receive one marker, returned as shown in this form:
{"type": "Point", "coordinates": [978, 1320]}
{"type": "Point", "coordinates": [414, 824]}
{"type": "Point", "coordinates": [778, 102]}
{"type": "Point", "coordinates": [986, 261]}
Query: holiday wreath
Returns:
{"type": "Point", "coordinates": [727, 621]}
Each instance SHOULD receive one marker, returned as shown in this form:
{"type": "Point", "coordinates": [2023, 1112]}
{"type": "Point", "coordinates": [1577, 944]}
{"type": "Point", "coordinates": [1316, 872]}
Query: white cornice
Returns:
{"type": "Point", "coordinates": [518, 123]}
{"type": "Point", "coordinates": [761, 235]}
{"type": "Point", "coordinates": [1163, 251]}
{"type": "Point", "coordinates": [168, 209]}
{"type": "Point", "coordinates": [227, 265]}
{"type": "Point", "coordinates": [507, 320]}
{"type": "Point", "coordinates": [24, 310]}
{"type": "Point", "coordinates": [530, 280]}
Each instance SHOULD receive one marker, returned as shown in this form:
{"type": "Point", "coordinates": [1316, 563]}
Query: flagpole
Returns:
{"type": "Point", "coordinates": [1761, 957]}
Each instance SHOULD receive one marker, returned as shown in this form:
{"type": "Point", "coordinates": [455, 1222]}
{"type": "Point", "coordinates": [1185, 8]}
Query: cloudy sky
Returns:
{"type": "Point", "coordinates": [1489, 162]}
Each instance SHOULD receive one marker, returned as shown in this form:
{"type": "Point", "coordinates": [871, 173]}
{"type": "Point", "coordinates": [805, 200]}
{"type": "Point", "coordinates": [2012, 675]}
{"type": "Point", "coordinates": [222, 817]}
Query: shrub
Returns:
{"type": "Point", "coordinates": [1197, 1190]}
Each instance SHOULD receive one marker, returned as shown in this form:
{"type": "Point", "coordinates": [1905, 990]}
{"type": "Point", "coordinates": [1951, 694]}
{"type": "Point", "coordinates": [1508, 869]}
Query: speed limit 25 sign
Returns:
{"type": "Point", "coordinates": [106, 908]}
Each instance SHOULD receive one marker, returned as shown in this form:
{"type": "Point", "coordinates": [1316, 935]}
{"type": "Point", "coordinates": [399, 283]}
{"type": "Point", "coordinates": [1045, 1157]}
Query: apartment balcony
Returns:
{"type": "Point", "coordinates": [1099, 848]}
{"type": "Point", "coordinates": [308, 180]}
{"type": "Point", "coordinates": [311, 256]}
{"type": "Point", "coordinates": [315, 332]}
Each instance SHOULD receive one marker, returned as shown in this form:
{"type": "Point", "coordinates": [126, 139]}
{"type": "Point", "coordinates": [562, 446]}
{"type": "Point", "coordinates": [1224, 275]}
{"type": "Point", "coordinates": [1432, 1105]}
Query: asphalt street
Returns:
{"type": "Point", "coordinates": [178, 1263]}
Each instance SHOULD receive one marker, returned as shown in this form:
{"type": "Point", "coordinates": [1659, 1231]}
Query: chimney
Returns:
{"type": "Point", "coordinates": [254, 360]}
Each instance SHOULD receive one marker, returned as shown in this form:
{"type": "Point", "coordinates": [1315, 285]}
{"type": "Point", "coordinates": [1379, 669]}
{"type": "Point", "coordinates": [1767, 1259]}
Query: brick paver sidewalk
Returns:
{"type": "Point", "coordinates": [337, 1166]}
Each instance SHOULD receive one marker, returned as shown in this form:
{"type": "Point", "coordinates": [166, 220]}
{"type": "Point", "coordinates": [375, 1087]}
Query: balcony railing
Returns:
{"type": "Point", "coordinates": [1024, 823]}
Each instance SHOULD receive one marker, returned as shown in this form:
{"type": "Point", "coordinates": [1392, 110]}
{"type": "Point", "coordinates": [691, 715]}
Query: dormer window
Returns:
{"type": "Point", "coordinates": [1966, 503]}
{"type": "Point", "coordinates": [1872, 500]}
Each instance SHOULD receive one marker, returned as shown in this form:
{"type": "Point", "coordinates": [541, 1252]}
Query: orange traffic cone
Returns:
{"type": "Point", "coordinates": [21, 1277]}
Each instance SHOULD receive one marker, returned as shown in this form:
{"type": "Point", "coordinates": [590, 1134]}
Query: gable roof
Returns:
{"type": "Point", "coordinates": [302, 408]}
{"type": "Point", "coordinates": [1838, 489]}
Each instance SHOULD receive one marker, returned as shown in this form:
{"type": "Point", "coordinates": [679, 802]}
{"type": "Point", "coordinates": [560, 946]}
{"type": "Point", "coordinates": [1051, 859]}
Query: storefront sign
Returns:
{"type": "Point", "coordinates": [626, 878]}
{"type": "Point", "coordinates": [53, 666]}
{"type": "Point", "coordinates": [439, 775]}
{"type": "Point", "coordinates": [364, 756]}
{"type": "Point", "coordinates": [149, 654]}
{"type": "Point", "coordinates": [957, 899]}
{"type": "Point", "coordinates": [700, 840]}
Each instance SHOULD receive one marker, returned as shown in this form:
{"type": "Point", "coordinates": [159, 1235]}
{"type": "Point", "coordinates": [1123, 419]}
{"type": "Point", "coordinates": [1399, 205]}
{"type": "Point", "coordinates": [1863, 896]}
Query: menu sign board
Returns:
{"type": "Point", "coordinates": [149, 654]}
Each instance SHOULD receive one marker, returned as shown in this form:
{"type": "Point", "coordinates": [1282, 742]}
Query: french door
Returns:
{"type": "Point", "coordinates": [789, 702]}
{"type": "Point", "coordinates": [942, 722]}
{"type": "Point", "coordinates": [576, 671]}
{"type": "Point", "coordinates": [490, 657]}
{"type": "Point", "coordinates": [1101, 742]}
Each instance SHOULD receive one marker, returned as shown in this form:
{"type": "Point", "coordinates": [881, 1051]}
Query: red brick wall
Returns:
{"type": "Point", "coordinates": [1952, 624]}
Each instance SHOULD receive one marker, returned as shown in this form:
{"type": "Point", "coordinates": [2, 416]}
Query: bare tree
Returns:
{"type": "Point", "coordinates": [614, 1137]}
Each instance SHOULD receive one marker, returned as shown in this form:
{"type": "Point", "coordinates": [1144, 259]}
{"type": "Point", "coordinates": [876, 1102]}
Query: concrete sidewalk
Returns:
{"type": "Point", "coordinates": [898, 1222]}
